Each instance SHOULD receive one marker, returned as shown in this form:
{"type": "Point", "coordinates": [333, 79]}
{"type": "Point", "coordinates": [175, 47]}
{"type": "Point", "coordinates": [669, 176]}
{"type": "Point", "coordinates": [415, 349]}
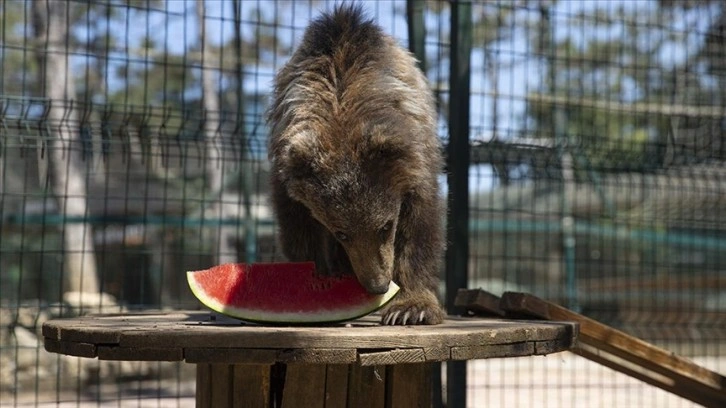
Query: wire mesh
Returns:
{"type": "Point", "coordinates": [133, 148]}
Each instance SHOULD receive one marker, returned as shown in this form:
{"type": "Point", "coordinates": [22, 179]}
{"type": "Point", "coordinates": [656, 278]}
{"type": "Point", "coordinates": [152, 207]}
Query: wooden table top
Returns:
{"type": "Point", "coordinates": [206, 337]}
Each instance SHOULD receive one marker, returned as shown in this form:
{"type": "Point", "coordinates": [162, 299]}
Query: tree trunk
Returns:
{"type": "Point", "coordinates": [222, 239]}
{"type": "Point", "coordinates": [67, 166]}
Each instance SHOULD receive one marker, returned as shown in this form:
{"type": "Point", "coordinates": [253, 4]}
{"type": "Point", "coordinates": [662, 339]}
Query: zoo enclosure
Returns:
{"type": "Point", "coordinates": [584, 148]}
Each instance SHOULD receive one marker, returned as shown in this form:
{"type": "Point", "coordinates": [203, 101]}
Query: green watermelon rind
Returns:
{"type": "Point", "coordinates": [263, 316]}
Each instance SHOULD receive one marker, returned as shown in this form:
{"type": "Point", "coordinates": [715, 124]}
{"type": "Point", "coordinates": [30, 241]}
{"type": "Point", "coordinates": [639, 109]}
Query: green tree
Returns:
{"type": "Point", "coordinates": [618, 76]}
{"type": "Point", "coordinates": [67, 175]}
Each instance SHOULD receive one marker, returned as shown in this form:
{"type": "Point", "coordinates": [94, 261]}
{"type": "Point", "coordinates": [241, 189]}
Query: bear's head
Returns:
{"type": "Point", "coordinates": [356, 188]}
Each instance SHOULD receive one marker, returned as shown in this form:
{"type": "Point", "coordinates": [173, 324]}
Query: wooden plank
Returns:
{"type": "Point", "coordinates": [441, 353]}
{"type": "Point", "coordinates": [197, 332]}
{"type": "Point", "coordinates": [542, 348]}
{"type": "Point", "coordinates": [70, 348]}
{"type": "Point", "coordinates": [687, 376]}
{"type": "Point", "coordinates": [479, 302]}
{"type": "Point", "coordinates": [51, 330]}
{"type": "Point", "coordinates": [649, 377]}
{"type": "Point", "coordinates": [318, 356]}
{"type": "Point", "coordinates": [509, 350]}
{"type": "Point", "coordinates": [525, 304]}
{"type": "Point", "coordinates": [139, 353]}
{"type": "Point", "coordinates": [684, 385]}
{"type": "Point", "coordinates": [204, 385]}
{"type": "Point", "coordinates": [220, 388]}
{"type": "Point", "coordinates": [80, 331]}
{"type": "Point", "coordinates": [464, 331]}
{"type": "Point", "coordinates": [403, 356]}
{"type": "Point", "coordinates": [304, 386]}
{"type": "Point", "coordinates": [336, 385]}
{"type": "Point", "coordinates": [366, 386]}
{"type": "Point", "coordinates": [52, 345]}
{"type": "Point", "coordinates": [250, 386]}
{"type": "Point", "coordinates": [269, 356]}
{"type": "Point", "coordinates": [600, 335]}
{"type": "Point", "coordinates": [408, 385]}
{"type": "Point", "coordinates": [388, 357]}
{"type": "Point", "coordinates": [230, 355]}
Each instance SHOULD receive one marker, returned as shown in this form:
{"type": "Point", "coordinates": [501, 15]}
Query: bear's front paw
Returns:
{"type": "Point", "coordinates": [411, 311]}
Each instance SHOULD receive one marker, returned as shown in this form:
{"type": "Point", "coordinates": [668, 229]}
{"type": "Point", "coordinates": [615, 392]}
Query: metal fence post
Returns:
{"type": "Point", "coordinates": [457, 254]}
{"type": "Point", "coordinates": [247, 168]}
{"type": "Point", "coordinates": [415, 10]}
{"type": "Point", "coordinates": [417, 31]}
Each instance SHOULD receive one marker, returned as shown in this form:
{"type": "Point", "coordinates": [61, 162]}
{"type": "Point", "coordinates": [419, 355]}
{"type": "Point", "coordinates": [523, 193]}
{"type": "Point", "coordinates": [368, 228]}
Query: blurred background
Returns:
{"type": "Point", "coordinates": [585, 145]}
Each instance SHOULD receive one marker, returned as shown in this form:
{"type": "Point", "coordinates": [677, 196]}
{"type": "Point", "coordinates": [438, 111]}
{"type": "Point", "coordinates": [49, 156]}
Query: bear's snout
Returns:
{"type": "Point", "coordinates": [377, 286]}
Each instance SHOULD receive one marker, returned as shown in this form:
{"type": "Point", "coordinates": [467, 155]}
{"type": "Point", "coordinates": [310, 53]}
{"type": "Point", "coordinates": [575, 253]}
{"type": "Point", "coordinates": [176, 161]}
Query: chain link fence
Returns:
{"type": "Point", "coordinates": [585, 164]}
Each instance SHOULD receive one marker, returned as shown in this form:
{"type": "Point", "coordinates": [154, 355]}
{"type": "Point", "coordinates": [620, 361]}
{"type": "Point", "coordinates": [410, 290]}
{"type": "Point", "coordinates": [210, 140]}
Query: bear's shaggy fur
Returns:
{"type": "Point", "coordinates": [355, 160]}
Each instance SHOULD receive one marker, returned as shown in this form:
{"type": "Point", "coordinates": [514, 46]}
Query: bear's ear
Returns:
{"type": "Point", "coordinates": [400, 164]}
{"type": "Point", "coordinates": [385, 150]}
{"type": "Point", "coordinates": [300, 160]}
{"type": "Point", "coordinates": [301, 155]}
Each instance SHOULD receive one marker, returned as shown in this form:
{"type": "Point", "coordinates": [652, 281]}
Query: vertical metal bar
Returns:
{"type": "Point", "coordinates": [246, 157]}
{"type": "Point", "coordinates": [564, 146]}
{"type": "Point", "coordinates": [417, 31]}
{"type": "Point", "coordinates": [569, 239]}
{"type": "Point", "coordinates": [415, 10]}
{"type": "Point", "coordinates": [457, 255]}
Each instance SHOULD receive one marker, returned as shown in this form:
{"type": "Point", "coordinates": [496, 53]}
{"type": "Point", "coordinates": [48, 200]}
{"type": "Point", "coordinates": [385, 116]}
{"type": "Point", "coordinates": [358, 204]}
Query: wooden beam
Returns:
{"type": "Point", "coordinates": [643, 108]}
{"type": "Point", "coordinates": [250, 386]}
{"type": "Point", "coordinates": [304, 386]}
{"type": "Point", "coordinates": [478, 302]}
{"type": "Point", "coordinates": [408, 385]}
{"type": "Point", "coordinates": [628, 354]}
{"type": "Point", "coordinates": [366, 386]}
{"type": "Point", "coordinates": [336, 385]}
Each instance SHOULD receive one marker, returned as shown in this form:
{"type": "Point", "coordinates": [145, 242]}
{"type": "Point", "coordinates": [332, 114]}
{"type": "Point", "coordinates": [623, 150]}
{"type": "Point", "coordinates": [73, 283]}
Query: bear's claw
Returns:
{"type": "Point", "coordinates": [411, 314]}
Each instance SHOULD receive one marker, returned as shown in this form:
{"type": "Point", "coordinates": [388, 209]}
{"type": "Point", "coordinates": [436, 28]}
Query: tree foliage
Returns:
{"type": "Point", "coordinates": [622, 77]}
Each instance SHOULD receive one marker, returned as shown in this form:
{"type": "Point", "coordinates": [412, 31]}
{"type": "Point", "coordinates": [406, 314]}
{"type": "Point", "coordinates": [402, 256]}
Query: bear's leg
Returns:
{"type": "Point", "coordinates": [300, 235]}
{"type": "Point", "coordinates": [336, 260]}
{"type": "Point", "coordinates": [410, 308]}
{"type": "Point", "coordinates": [302, 238]}
{"type": "Point", "coordinates": [419, 246]}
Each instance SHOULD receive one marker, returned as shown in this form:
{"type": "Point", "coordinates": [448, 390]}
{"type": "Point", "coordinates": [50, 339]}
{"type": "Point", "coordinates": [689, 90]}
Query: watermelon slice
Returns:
{"type": "Point", "coordinates": [283, 293]}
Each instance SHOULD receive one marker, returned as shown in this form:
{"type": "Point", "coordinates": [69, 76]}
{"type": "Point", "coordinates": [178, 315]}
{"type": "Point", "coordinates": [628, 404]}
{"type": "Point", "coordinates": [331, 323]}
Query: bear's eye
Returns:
{"type": "Point", "coordinates": [386, 229]}
{"type": "Point", "coordinates": [341, 236]}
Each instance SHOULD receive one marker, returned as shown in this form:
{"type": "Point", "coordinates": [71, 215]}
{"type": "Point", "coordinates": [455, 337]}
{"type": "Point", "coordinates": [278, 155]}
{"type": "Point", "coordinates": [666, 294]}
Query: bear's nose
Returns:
{"type": "Point", "coordinates": [377, 286]}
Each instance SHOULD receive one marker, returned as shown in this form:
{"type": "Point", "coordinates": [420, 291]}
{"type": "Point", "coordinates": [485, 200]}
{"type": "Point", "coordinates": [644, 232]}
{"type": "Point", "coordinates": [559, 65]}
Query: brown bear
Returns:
{"type": "Point", "coordinates": [355, 160]}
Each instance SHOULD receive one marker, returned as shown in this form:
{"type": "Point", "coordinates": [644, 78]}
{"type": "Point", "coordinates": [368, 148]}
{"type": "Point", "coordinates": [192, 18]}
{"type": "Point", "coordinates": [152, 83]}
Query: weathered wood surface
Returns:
{"type": "Point", "coordinates": [336, 387]}
{"type": "Point", "coordinates": [237, 386]}
{"type": "Point", "coordinates": [360, 364]}
{"type": "Point", "coordinates": [409, 385]}
{"type": "Point", "coordinates": [366, 387]}
{"type": "Point", "coordinates": [205, 337]}
{"type": "Point", "coordinates": [478, 302]}
{"type": "Point", "coordinates": [628, 354]}
{"type": "Point", "coordinates": [304, 386]}
{"type": "Point", "coordinates": [314, 385]}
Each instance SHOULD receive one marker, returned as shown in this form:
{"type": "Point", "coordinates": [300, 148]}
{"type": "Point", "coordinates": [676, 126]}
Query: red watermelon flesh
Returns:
{"type": "Point", "coordinates": [283, 293]}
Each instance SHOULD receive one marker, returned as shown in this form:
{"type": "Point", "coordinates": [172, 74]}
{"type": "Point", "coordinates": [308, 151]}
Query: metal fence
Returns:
{"type": "Point", "coordinates": [585, 164]}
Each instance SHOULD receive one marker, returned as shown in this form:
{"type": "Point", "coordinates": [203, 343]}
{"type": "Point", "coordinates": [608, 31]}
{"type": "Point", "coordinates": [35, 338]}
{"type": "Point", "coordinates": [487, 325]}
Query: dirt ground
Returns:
{"type": "Point", "coordinates": [566, 380]}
